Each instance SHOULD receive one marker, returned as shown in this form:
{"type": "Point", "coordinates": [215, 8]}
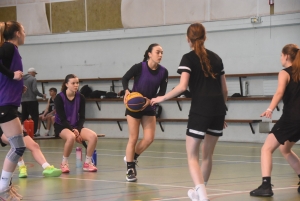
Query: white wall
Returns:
{"type": "Point", "coordinates": [244, 48]}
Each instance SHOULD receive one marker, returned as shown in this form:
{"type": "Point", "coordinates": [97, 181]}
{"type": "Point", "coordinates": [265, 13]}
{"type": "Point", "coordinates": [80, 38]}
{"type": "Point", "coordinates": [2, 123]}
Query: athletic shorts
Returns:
{"type": "Point", "coordinates": [8, 113]}
{"type": "Point", "coordinates": [58, 128]}
{"type": "Point", "coordinates": [285, 130]}
{"type": "Point", "coordinates": [139, 115]}
{"type": "Point", "coordinates": [199, 125]}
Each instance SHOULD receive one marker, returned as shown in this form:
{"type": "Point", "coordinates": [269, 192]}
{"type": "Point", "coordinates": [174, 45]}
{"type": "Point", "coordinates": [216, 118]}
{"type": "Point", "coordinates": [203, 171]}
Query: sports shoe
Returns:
{"type": "Point", "coordinates": [64, 168]}
{"type": "Point", "coordinates": [193, 195]}
{"type": "Point", "coordinates": [23, 171]}
{"type": "Point", "coordinates": [51, 171]}
{"type": "Point", "coordinates": [89, 167]}
{"type": "Point", "coordinates": [299, 187]}
{"type": "Point", "coordinates": [130, 176]}
{"type": "Point", "coordinates": [14, 191]}
{"type": "Point", "coordinates": [36, 135]}
{"type": "Point", "coordinates": [263, 191]}
{"type": "Point", "coordinates": [8, 195]}
{"type": "Point", "coordinates": [136, 163]}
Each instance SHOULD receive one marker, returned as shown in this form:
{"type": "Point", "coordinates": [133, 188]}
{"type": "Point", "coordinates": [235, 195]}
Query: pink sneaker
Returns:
{"type": "Point", "coordinates": [64, 168]}
{"type": "Point", "coordinates": [89, 167]}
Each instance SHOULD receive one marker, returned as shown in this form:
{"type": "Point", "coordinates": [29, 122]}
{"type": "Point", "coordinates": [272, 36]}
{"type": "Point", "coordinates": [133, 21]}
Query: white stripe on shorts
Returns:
{"type": "Point", "coordinates": [197, 132]}
{"type": "Point", "coordinates": [215, 131]}
{"type": "Point", "coordinates": [184, 67]}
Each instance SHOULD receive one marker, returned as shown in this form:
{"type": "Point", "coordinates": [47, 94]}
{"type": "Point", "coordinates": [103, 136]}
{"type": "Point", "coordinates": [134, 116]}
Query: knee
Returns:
{"type": "Point", "coordinates": [35, 146]}
{"type": "Point", "coordinates": [284, 151]}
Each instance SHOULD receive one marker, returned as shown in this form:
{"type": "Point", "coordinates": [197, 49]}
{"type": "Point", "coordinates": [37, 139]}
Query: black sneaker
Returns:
{"type": "Point", "coordinates": [299, 187]}
{"type": "Point", "coordinates": [130, 176]}
{"type": "Point", "coordinates": [36, 135]}
{"type": "Point", "coordinates": [263, 191]}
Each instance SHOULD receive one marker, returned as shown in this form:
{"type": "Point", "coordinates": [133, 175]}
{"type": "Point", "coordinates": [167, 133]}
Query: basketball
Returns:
{"type": "Point", "coordinates": [135, 102]}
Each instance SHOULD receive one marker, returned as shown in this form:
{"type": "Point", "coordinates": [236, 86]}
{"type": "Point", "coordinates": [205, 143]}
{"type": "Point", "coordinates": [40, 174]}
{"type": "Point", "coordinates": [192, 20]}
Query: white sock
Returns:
{"type": "Point", "coordinates": [201, 190]}
{"type": "Point", "coordinates": [20, 163]}
{"type": "Point", "coordinates": [64, 160]}
{"type": "Point", "coordinates": [45, 165]}
{"type": "Point", "coordinates": [38, 131]}
{"type": "Point", "coordinates": [47, 132]}
{"type": "Point", "coordinates": [205, 183]}
{"type": "Point", "coordinates": [88, 159]}
{"type": "Point", "coordinates": [5, 180]}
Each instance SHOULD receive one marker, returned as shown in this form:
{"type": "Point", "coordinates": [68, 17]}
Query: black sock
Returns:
{"type": "Point", "coordinates": [136, 156]}
{"type": "Point", "coordinates": [130, 165]}
{"type": "Point", "coordinates": [266, 181]}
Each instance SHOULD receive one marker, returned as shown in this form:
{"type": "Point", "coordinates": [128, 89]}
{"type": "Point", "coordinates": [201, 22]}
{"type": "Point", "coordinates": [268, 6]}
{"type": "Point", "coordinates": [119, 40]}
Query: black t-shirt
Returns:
{"type": "Point", "coordinates": [291, 99]}
{"type": "Point", "coordinates": [207, 95]}
{"type": "Point", "coordinates": [6, 55]}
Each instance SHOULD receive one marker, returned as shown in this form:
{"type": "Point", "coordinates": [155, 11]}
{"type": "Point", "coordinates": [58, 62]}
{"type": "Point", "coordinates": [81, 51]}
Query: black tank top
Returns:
{"type": "Point", "coordinates": [291, 99]}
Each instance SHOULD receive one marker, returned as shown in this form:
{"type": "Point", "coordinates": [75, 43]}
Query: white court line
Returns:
{"type": "Point", "coordinates": [172, 158]}
{"type": "Point", "coordinates": [232, 193]}
{"type": "Point", "coordinates": [172, 186]}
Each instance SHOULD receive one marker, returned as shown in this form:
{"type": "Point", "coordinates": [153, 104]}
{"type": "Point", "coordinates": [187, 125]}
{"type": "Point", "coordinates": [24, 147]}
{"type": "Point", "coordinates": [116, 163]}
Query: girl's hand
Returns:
{"type": "Point", "coordinates": [157, 100]}
{"type": "Point", "coordinates": [18, 75]}
{"type": "Point", "coordinates": [267, 113]}
{"type": "Point", "coordinates": [146, 104]}
{"type": "Point", "coordinates": [125, 96]}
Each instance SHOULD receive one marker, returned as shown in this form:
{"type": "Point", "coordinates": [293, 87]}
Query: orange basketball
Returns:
{"type": "Point", "coordinates": [135, 102]}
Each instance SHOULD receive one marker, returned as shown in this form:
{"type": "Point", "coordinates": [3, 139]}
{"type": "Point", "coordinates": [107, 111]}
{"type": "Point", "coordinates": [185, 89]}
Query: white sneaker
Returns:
{"type": "Point", "coordinates": [193, 195]}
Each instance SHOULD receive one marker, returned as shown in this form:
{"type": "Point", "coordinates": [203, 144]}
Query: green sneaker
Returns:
{"type": "Point", "coordinates": [23, 171]}
{"type": "Point", "coordinates": [51, 171]}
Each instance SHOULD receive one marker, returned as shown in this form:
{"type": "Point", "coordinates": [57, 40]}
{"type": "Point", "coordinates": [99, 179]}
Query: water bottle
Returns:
{"type": "Point", "coordinates": [94, 157]}
{"type": "Point", "coordinates": [78, 157]}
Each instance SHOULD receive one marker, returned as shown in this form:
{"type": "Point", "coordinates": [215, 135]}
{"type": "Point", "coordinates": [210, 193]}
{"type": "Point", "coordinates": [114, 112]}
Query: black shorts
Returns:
{"type": "Point", "coordinates": [139, 115]}
{"type": "Point", "coordinates": [285, 130]}
{"type": "Point", "coordinates": [58, 128]}
{"type": "Point", "coordinates": [8, 113]}
{"type": "Point", "coordinates": [199, 125]}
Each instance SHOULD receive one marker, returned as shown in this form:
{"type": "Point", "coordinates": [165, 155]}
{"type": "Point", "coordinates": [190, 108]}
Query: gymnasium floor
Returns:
{"type": "Point", "coordinates": [162, 174]}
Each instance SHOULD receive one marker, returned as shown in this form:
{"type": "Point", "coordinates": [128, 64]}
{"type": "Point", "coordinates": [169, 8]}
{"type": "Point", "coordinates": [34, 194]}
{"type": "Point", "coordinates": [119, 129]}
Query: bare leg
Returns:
{"type": "Point", "coordinates": [208, 147]}
{"type": "Point", "coordinates": [270, 145]}
{"type": "Point", "coordinates": [192, 150]}
{"type": "Point", "coordinates": [133, 126]}
{"type": "Point", "coordinates": [69, 138]}
{"type": "Point", "coordinates": [148, 124]}
{"type": "Point", "coordinates": [91, 137]}
{"type": "Point", "coordinates": [290, 156]}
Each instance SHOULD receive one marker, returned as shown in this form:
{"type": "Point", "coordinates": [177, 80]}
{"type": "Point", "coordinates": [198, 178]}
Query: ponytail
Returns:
{"type": "Point", "coordinates": [296, 67]}
{"type": "Point", "coordinates": [197, 35]}
{"type": "Point", "coordinates": [293, 53]}
{"type": "Point", "coordinates": [2, 28]}
{"type": "Point", "coordinates": [68, 77]}
{"type": "Point", "coordinates": [149, 50]}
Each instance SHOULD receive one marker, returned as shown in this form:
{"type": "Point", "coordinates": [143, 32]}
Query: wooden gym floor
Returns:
{"type": "Point", "coordinates": [162, 174]}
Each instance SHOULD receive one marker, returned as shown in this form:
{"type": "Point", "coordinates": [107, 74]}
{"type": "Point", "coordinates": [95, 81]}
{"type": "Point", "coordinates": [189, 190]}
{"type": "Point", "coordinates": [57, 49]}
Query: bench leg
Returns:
{"type": "Point", "coordinates": [119, 125]}
{"type": "Point", "coordinates": [44, 124]}
{"type": "Point", "coordinates": [252, 128]}
{"type": "Point", "coordinates": [179, 105]}
{"type": "Point", "coordinates": [99, 108]}
{"type": "Point", "coordinates": [162, 129]}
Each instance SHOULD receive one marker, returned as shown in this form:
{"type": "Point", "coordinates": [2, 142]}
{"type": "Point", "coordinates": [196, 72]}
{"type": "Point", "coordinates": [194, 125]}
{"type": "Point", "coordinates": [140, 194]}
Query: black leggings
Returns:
{"type": "Point", "coordinates": [31, 108]}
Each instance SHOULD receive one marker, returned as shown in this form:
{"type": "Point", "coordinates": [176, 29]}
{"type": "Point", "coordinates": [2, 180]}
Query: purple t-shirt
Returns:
{"type": "Point", "coordinates": [11, 90]}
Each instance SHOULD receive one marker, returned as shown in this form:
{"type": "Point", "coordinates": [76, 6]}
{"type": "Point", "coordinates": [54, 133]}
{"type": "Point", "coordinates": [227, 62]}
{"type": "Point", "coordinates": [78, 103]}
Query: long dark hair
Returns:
{"type": "Point", "coordinates": [197, 35]}
{"type": "Point", "coordinates": [68, 77]}
{"type": "Point", "coordinates": [293, 52]}
{"type": "Point", "coordinates": [8, 30]}
{"type": "Point", "coordinates": [149, 50]}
